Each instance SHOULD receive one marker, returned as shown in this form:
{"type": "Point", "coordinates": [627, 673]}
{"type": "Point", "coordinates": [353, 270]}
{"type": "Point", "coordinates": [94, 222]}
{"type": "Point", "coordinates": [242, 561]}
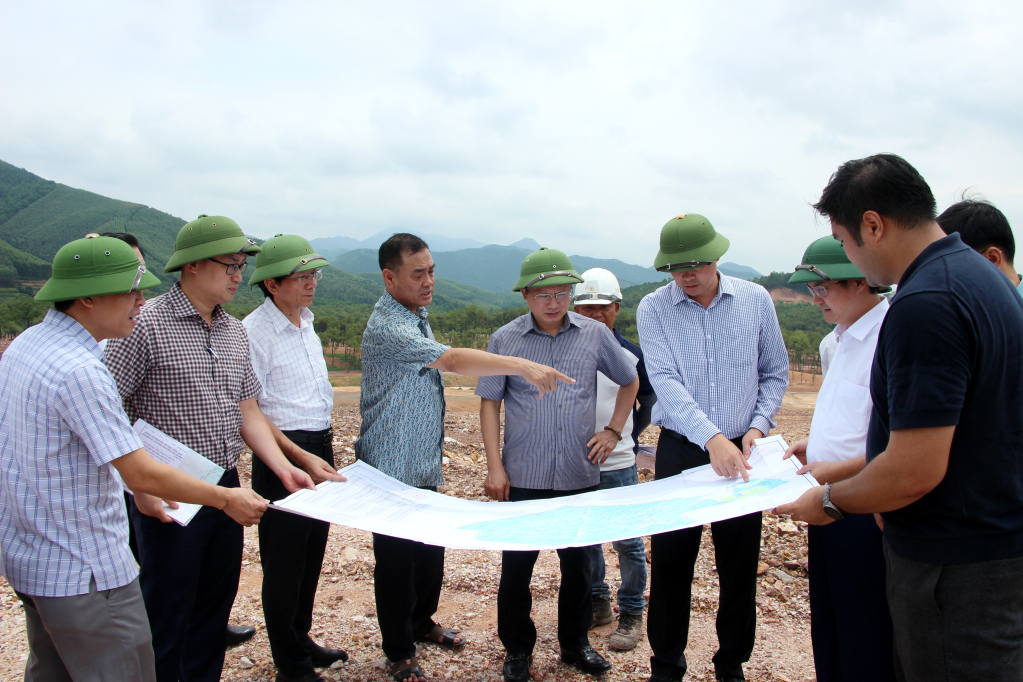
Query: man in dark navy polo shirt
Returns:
{"type": "Point", "coordinates": [945, 457]}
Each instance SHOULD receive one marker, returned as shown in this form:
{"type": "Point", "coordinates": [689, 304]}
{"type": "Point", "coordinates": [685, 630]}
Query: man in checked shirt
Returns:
{"type": "Point", "coordinates": [186, 370]}
{"type": "Point", "coordinates": [716, 359]}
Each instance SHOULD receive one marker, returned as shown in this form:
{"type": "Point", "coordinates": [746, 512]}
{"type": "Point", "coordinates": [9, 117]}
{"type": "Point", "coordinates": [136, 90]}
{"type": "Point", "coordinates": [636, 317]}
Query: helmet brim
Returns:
{"type": "Point", "coordinates": [526, 281]}
{"type": "Point", "coordinates": [835, 271]}
{"type": "Point", "coordinates": [709, 252]}
{"type": "Point", "coordinates": [288, 267]}
{"type": "Point", "coordinates": [83, 287]}
{"type": "Point", "coordinates": [220, 247]}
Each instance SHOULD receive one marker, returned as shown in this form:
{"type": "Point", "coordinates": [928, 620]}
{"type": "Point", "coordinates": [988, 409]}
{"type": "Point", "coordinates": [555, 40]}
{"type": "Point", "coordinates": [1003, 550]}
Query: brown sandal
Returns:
{"type": "Point", "coordinates": [444, 637]}
{"type": "Point", "coordinates": [402, 671]}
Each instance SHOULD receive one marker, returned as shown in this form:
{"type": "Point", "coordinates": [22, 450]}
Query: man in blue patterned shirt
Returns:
{"type": "Point", "coordinates": [63, 433]}
{"type": "Point", "coordinates": [402, 435]}
{"type": "Point", "coordinates": [552, 447]}
{"type": "Point", "coordinates": [716, 359]}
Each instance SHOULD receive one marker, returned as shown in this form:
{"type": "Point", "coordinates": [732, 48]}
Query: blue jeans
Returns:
{"type": "Point", "coordinates": [631, 555]}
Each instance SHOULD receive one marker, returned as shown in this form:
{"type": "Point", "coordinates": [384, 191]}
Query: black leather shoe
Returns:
{"type": "Point", "coordinates": [322, 656]}
{"type": "Point", "coordinates": [730, 679]}
{"type": "Point", "coordinates": [516, 667]}
{"type": "Point", "coordinates": [586, 659]}
{"type": "Point", "coordinates": [658, 677]}
{"type": "Point", "coordinates": [239, 634]}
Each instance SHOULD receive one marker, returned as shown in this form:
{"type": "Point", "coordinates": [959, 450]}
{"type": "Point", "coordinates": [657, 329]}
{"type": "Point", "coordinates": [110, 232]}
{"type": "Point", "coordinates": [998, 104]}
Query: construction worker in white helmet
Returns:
{"type": "Point", "coordinates": [599, 298]}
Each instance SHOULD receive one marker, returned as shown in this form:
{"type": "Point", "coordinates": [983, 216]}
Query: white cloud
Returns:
{"type": "Point", "coordinates": [583, 125]}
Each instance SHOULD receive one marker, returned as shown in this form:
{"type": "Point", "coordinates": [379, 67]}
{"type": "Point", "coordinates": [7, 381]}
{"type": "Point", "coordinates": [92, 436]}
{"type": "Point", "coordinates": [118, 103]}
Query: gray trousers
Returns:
{"type": "Point", "coordinates": [89, 637]}
{"type": "Point", "coordinates": [956, 622]}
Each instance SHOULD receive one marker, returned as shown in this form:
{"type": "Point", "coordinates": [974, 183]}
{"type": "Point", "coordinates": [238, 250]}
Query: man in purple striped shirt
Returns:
{"type": "Point", "coordinates": [552, 447]}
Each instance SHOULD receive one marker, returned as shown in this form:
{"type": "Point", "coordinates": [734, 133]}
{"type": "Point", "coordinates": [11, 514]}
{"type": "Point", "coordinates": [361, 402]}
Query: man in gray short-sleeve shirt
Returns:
{"type": "Point", "coordinates": [552, 447]}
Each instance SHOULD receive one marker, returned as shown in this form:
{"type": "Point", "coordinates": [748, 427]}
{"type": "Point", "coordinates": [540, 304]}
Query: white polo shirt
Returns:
{"type": "Point", "coordinates": [838, 431]}
{"type": "Point", "coordinates": [623, 456]}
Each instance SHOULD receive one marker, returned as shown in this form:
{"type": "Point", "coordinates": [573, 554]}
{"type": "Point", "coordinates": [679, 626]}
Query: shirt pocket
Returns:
{"type": "Point", "coordinates": [852, 408]}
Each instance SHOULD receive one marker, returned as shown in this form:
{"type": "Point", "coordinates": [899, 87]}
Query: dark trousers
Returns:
{"type": "Point", "coordinates": [515, 601]}
{"type": "Point", "coordinates": [291, 553]}
{"type": "Point", "coordinates": [189, 578]}
{"type": "Point", "coordinates": [672, 563]}
{"type": "Point", "coordinates": [407, 581]}
{"type": "Point", "coordinates": [956, 622]}
{"type": "Point", "coordinates": [850, 625]}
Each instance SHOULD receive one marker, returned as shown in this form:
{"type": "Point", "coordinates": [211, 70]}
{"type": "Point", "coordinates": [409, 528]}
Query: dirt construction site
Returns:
{"type": "Point", "coordinates": [344, 614]}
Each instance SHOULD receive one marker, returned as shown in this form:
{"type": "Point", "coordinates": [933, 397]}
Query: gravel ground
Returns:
{"type": "Point", "coordinates": [345, 617]}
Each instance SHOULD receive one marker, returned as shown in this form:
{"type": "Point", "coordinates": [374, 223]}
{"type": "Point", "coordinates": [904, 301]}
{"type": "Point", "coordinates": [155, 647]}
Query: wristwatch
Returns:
{"type": "Point", "coordinates": [829, 507]}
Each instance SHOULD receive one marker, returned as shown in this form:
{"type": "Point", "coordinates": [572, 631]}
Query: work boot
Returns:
{"type": "Point", "coordinates": [630, 629]}
{"type": "Point", "coordinates": [602, 613]}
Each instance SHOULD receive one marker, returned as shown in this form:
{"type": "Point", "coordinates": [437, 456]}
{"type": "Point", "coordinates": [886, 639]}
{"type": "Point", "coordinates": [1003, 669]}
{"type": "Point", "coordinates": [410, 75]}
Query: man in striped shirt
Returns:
{"type": "Point", "coordinates": [552, 447]}
{"type": "Point", "coordinates": [63, 432]}
{"type": "Point", "coordinates": [716, 359]}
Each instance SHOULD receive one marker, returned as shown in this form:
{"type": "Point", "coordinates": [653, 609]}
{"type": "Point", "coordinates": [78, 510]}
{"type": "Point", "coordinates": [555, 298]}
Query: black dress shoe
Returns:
{"type": "Point", "coordinates": [322, 656]}
{"type": "Point", "coordinates": [239, 634]}
{"type": "Point", "coordinates": [516, 667]}
{"type": "Point", "coordinates": [586, 659]}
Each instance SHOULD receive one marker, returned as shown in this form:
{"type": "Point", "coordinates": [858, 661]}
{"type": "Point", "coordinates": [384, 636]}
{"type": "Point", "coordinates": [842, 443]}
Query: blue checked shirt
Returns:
{"type": "Point", "coordinates": [62, 514]}
{"type": "Point", "coordinates": [720, 369]}
{"type": "Point", "coordinates": [402, 401]}
{"type": "Point", "coordinates": [545, 439]}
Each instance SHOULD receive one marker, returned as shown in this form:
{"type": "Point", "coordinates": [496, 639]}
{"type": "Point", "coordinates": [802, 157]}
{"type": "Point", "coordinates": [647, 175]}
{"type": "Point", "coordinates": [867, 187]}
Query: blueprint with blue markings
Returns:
{"type": "Point", "coordinates": [372, 501]}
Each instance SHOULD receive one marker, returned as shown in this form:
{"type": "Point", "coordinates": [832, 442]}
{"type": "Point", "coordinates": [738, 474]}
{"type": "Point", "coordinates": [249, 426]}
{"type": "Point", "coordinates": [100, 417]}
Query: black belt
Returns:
{"type": "Point", "coordinates": [324, 437]}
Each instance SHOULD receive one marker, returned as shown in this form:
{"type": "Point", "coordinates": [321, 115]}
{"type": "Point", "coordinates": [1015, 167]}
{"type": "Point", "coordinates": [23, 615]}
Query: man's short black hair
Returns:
{"type": "Point", "coordinates": [63, 306]}
{"type": "Point", "coordinates": [885, 183]}
{"type": "Point", "coordinates": [128, 239]}
{"type": "Point", "coordinates": [980, 225]}
{"type": "Point", "coordinates": [846, 282]}
{"type": "Point", "coordinates": [392, 252]}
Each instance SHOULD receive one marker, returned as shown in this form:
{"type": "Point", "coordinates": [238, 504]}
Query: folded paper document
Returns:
{"type": "Point", "coordinates": [163, 448]}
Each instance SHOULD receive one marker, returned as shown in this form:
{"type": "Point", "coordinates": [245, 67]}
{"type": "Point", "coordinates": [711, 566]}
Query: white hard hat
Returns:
{"type": "Point", "coordinates": [599, 287]}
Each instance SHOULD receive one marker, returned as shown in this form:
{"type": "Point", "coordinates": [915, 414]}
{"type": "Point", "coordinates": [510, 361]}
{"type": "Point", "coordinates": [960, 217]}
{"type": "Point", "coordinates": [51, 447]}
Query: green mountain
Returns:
{"type": "Point", "coordinates": [16, 265]}
{"type": "Point", "coordinates": [40, 216]}
{"type": "Point", "coordinates": [495, 268]}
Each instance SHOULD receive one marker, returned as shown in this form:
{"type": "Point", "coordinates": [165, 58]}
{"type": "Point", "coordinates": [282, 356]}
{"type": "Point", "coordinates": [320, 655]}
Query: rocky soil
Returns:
{"type": "Point", "coordinates": [345, 616]}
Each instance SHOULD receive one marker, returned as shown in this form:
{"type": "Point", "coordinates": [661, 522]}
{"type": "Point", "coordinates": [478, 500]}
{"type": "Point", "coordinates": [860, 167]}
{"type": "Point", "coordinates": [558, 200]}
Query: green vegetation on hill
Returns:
{"type": "Point", "coordinates": [39, 216]}
{"type": "Point", "coordinates": [16, 265]}
{"type": "Point", "coordinates": [780, 280]}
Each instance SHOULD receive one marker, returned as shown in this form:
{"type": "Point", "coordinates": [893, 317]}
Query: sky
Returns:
{"type": "Point", "coordinates": [584, 125]}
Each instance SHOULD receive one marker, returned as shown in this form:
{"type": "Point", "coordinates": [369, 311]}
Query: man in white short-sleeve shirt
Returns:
{"type": "Point", "coordinates": [850, 624]}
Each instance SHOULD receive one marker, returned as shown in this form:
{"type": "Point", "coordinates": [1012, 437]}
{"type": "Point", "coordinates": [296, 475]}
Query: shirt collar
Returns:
{"type": "Point", "coordinates": [279, 321]}
{"type": "Point", "coordinates": [390, 304]}
{"type": "Point", "coordinates": [70, 325]}
{"type": "Point", "coordinates": [530, 325]}
{"type": "Point", "coordinates": [861, 327]}
{"type": "Point", "coordinates": [724, 288]}
{"type": "Point", "coordinates": [182, 307]}
{"type": "Point", "coordinates": [943, 247]}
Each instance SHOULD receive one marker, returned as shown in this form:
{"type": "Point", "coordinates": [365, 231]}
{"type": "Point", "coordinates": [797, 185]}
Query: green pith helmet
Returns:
{"type": "Point", "coordinates": [283, 255]}
{"type": "Point", "coordinates": [546, 268]}
{"type": "Point", "coordinates": [208, 237]}
{"type": "Point", "coordinates": [824, 260]}
{"type": "Point", "coordinates": [688, 241]}
{"type": "Point", "coordinates": [95, 266]}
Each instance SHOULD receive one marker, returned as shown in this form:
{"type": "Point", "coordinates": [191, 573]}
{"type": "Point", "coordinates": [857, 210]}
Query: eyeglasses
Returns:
{"type": "Point", "coordinates": [691, 264]}
{"type": "Point", "coordinates": [559, 297]}
{"type": "Point", "coordinates": [232, 267]}
{"type": "Point", "coordinates": [138, 279]}
{"type": "Point", "coordinates": [307, 276]}
{"type": "Point", "coordinates": [818, 290]}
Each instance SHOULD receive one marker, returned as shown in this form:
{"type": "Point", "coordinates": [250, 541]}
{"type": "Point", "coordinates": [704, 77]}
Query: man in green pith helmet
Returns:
{"type": "Point", "coordinates": [186, 370]}
{"type": "Point", "coordinates": [715, 356]}
{"type": "Point", "coordinates": [552, 447]}
{"type": "Point", "coordinates": [297, 398]}
{"type": "Point", "coordinates": [850, 624]}
{"type": "Point", "coordinates": [63, 435]}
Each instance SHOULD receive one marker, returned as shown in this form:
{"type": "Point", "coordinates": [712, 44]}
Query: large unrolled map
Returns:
{"type": "Point", "coordinates": [372, 501]}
